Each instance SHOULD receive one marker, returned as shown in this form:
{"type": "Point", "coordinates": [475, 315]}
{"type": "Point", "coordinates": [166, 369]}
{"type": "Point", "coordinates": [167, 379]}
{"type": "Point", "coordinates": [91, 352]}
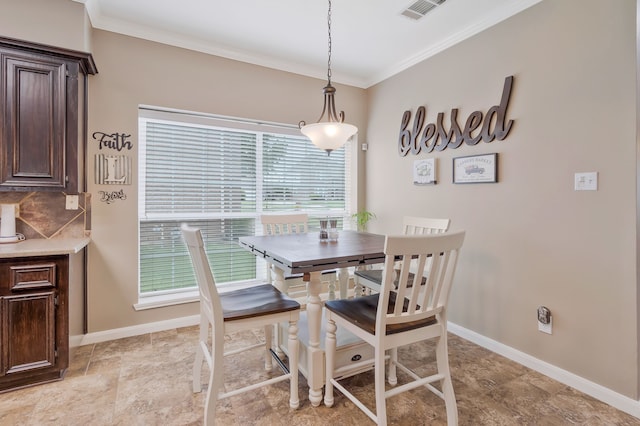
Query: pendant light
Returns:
{"type": "Point", "coordinates": [330, 132]}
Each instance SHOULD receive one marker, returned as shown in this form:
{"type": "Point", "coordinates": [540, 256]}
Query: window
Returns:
{"type": "Point", "coordinates": [220, 174]}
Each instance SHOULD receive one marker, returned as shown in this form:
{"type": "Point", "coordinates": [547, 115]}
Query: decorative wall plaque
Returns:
{"type": "Point", "coordinates": [435, 136]}
{"type": "Point", "coordinates": [424, 172]}
{"type": "Point", "coordinates": [113, 169]}
{"type": "Point", "coordinates": [476, 169]}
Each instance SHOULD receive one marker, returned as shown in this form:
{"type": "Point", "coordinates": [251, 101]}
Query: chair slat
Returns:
{"type": "Point", "coordinates": [411, 226]}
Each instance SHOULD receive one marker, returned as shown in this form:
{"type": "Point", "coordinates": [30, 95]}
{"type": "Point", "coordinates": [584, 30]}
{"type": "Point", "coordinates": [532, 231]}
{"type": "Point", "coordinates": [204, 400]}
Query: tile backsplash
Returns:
{"type": "Point", "coordinates": [44, 214]}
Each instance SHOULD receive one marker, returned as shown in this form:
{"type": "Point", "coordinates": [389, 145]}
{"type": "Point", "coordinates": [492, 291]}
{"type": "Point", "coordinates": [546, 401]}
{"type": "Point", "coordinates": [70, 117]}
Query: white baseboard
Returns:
{"type": "Point", "coordinates": [619, 401]}
{"type": "Point", "coordinates": [134, 330]}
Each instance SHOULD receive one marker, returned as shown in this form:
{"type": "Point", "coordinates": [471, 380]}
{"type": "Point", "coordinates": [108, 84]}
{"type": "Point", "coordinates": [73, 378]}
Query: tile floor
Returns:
{"type": "Point", "coordinates": [145, 380]}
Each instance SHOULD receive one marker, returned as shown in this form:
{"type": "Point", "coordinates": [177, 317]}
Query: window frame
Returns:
{"type": "Point", "coordinates": [172, 116]}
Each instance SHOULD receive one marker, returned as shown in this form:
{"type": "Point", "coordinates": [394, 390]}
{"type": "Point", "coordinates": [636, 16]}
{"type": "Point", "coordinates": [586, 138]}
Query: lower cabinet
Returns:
{"type": "Point", "coordinates": [34, 332]}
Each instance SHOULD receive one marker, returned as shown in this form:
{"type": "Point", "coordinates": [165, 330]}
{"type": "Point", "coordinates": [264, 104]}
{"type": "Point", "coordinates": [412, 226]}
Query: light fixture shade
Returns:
{"type": "Point", "coordinates": [329, 135]}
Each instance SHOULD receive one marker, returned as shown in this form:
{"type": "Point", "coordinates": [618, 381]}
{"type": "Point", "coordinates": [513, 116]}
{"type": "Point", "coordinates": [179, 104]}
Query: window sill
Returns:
{"type": "Point", "coordinates": [152, 302]}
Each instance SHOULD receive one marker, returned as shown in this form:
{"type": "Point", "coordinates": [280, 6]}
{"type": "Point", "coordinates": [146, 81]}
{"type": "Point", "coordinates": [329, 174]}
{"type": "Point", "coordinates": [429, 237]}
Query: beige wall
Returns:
{"type": "Point", "coordinates": [61, 23]}
{"type": "Point", "coordinates": [531, 239]}
{"type": "Point", "coordinates": [133, 72]}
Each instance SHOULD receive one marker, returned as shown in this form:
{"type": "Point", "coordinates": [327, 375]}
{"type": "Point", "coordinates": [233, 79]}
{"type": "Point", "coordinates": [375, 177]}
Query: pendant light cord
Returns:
{"type": "Point", "coordinates": [329, 60]}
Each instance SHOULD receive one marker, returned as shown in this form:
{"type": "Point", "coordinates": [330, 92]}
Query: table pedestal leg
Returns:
{"type": "Point", "coordinates": [315, 358]}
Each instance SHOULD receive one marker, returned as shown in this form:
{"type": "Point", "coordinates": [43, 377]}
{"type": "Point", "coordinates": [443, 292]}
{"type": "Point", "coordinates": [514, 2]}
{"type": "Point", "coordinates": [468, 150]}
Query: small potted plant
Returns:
{"type": "Point", "coordinates": [362, 218]}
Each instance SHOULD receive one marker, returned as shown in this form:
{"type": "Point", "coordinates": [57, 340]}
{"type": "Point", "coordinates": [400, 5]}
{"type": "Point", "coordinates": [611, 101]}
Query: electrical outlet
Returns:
{"type": "Point", "coordinates": [545, 328]}
{"type": "Point", "coordinates": [72, 202]}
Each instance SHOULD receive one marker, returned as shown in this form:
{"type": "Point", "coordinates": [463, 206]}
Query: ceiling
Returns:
{"type": "Point", "coordinates": [371, 39]}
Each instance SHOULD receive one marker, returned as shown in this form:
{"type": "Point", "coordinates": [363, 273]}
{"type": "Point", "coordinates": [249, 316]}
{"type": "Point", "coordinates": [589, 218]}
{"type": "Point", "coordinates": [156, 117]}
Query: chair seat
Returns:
{"type": "Point", "coordinates": [375, 276]}
{"type": "Point", "coordinates": [361, 311]}
{"type": "Point", "coordinates": [256, 301]}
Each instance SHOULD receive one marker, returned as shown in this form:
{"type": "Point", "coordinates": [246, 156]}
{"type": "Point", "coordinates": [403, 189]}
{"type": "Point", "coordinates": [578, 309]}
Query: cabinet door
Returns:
{"type": "Point", "coordinates": [34, 127]}
{"type": "Point", "coordinates": [28, 332]}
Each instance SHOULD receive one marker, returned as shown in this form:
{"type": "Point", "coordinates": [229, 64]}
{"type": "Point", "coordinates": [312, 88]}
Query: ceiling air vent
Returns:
{"type": "Point", "coordinates": [420, 8]}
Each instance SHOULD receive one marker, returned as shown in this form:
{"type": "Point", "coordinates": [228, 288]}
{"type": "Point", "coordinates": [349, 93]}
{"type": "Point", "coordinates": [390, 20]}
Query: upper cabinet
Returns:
{"type": "Point", "coordinates": [42, 116]}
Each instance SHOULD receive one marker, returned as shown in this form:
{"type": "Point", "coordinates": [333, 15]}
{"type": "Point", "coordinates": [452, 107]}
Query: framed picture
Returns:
{"type": "Point", "coordinates": [476, 169]}
{"type": "Point", "coordinates": [424, 172]}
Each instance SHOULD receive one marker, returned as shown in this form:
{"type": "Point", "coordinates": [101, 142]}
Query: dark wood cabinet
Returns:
{"type": "Point", "coordinates": [42, 119]}
{"type": "Point", "coordinates": [34, 320]}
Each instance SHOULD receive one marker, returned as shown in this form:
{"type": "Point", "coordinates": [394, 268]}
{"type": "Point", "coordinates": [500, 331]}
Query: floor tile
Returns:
{"type": "Point", "coordinates": [146, 380]}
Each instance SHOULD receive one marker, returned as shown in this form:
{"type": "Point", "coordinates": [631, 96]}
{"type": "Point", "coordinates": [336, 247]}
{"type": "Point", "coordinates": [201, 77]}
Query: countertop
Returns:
{"type": "Point", "coordinates": [43, 247]}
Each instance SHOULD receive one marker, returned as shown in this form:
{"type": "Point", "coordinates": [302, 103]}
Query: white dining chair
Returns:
{"type": "Point", "coordinates": [371, 279]}
{"type": "Point", "coordinates": [228, 312]}
{"type": "Point", "coordinates": [400, 315]}
{"type": "Point", "coordinates": [292, 223]}
{"type": "Point", "coordinates": [279, 224]}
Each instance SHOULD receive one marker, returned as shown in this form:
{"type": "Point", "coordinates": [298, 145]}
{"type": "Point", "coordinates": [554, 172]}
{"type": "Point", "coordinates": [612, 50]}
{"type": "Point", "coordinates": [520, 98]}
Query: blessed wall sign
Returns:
{"type": "Point", "coordinates": [435, 136]}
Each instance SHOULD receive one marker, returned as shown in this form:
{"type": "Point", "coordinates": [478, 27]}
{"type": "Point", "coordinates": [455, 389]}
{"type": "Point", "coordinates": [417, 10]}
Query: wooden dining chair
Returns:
{"type": "Point", "coordinates": [228, 312]}
{"type": "Point", "coordinates": [371, 279]}
{"type": "Point", "coordinates": [400, 315]}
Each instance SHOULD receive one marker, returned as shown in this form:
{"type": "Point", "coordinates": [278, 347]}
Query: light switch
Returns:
{"type": "Point", "coordinates": [586, 181]}
{"type": "Point", "coordinates": [71, 202]}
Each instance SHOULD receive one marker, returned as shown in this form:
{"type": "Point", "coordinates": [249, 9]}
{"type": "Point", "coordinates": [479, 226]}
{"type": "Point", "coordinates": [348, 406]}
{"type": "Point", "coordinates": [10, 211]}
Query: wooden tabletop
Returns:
{"type": "Point", "coordinates": [300, 253]}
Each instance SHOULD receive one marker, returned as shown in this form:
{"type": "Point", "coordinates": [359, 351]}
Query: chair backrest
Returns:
{"type": "Point", "coordinates": [414, 225]}
{"type": "Point", "coordinates": [274, 224]}
{"type": "Point", "coordinates": [424, 225]}
{"type": "Point", "coordinates": [436, 257]}
{"type": "Point", "coordinates": [210, 303]}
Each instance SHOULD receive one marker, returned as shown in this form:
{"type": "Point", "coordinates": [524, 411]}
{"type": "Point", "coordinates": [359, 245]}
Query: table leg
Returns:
{"type": "Point", "coordinates": [315, 357]}
{"type": "Point", "coordinates": [332, 289]}
{"type": "Point", "coordinates": [343, 277]}
{"type": "Point", "coordinates": [358, 289]}
{"type": "Point", "coordinates": [281, 284]}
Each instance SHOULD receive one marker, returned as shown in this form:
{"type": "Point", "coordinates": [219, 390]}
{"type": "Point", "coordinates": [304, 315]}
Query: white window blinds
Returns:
{"type": "Point", "coordinates": [195, 171]}
{"type": "Point", "coordinates": [298, 176]}
{"type": "Point", "coordinates": [220, 175]}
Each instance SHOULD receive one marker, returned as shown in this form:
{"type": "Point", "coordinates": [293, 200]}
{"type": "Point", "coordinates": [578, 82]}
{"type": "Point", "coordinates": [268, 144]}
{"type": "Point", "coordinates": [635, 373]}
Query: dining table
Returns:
{"type": "Point", "coordinates": [307, 254]}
